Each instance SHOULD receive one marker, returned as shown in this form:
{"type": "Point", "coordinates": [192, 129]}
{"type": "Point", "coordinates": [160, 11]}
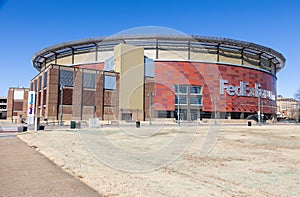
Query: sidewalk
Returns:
{"type": "Point", "coordinates": [25, 172]}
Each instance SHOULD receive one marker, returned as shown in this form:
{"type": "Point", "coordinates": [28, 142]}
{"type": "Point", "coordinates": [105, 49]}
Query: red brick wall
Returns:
{"type": "Point", "coordinates": [10, 101]}
{"type": "Point", "coordinates": [96, 66]}
{"type": "Point", "coordinates": [167, 74]}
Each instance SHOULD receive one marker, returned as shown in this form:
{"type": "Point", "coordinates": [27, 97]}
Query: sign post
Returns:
{"type": "Point", "coordinates": [30, 110]}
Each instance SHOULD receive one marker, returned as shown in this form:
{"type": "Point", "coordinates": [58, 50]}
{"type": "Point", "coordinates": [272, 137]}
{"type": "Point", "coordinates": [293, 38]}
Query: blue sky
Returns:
{"type": "Point", "coordinates": [31, 25]}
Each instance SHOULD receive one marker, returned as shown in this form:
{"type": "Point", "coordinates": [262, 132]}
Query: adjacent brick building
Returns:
{"type": "Point", "coordinates": [17, 103]}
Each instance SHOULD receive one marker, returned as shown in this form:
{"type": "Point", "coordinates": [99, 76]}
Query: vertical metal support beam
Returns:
{"type": "Point", "coordinates": [189, 50]}
{"type": "Point", "coordinates": [156, 56]}
{"type": "Point", "coordinates": [45, 64]}
{"type": "Point", "coordinates": [218, 53]}
{"type": "Point", "coordinates": [96, 55]}
{"type": "Point", "coordinates": [55, 58]}
{"type": "Point", "coordinates": [242, 55]}
{"type": "Point", "coordinates": [72, 55]}
{"type": "Point", "coordinates": [259, 60]}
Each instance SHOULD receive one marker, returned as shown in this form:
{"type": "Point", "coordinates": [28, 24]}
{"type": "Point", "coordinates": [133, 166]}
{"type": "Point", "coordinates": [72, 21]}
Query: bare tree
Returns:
{"type": "Point", "coordinates": [297, 94]}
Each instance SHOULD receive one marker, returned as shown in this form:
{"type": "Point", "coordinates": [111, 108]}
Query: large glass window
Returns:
{"type": "Point", "coordinates": [181, 89]}
{"type": "Point", "coordinates": [195, 89]}
{"type": "Point", "coordinates": [66, 78]}
{"type": "Point", "coordinates": [40, 82]}
{"type": "Point", "coordinates": [165, 114]}
{"type": "Point", "coordinates": [89, 80]}
{"type": "Point", "coordinates": [45, 79]}
{"type": "Point", "coordinates": [35, 85]}
{"type": "Point", "coordinates": [149, 67]}
{"type": "Point", "coordinates": [182, 100]}
{"type": "Point", "coordinates": [196, 100]}
{"type": "Point", "coordinates": [109, 82]}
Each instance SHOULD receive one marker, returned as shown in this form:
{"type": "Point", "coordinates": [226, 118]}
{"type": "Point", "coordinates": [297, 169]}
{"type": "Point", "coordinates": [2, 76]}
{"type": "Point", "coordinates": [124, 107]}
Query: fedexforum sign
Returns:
{"type": "Point", "coordinates": [244, 90]}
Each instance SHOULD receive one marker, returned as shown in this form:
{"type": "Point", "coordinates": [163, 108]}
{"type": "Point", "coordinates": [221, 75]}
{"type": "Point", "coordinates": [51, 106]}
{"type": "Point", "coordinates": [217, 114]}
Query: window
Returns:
{"type": "Point", "coordinates": [45, 79]}
{"type": "Point", "coordinates": [89, 80]}
{"type": "Point", "coordinates": [149, 67]}
{"type": "Point", "coordinates": [66, 78]}
{"type": "Point", "coordinates": [182, 100]}
{"type": "Point", "coordinates": [18, 95]}
{"type": "Point", "coordinates": [181, 89]}
{"type": "Point", "coordinates": [109, 82]}
{"type": "Point", "coordinates": [35, 85]}
{"type": "Point", "coordinates": [195, 89]}
{"type": "Point", "coordinates": [40, 82]}
{"type": "Point", "coordinates": [196, 100]}
{"type": "Point", "coordinates": [165, 114]}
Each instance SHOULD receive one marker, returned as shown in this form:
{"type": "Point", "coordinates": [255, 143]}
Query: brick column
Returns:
{"type": "Point", "coordinates": [25, 104]}
{"type": "Point", "coordinates": [52, 94]}
{"type": "Point", "coordinates": [10, 102]}
{"type": "Point", "coordinates": [99, 96]}
{"type": "Point", "coordinates": [77, 95]}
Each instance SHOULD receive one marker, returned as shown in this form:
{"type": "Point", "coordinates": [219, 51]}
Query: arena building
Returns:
{"type": "Point", "coordinates": [135, 77]}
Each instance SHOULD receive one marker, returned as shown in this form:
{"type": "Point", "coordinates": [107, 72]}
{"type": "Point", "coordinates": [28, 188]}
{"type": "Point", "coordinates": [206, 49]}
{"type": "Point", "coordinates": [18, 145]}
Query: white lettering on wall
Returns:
{"type": "Point", "coordinates": [244, 90]}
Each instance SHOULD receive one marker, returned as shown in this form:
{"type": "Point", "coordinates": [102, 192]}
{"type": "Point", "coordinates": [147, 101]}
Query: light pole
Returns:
{"type": "Point", "coordinates": [61, 104]}
{"type": "Point", "coordinates": [178, 110]}
{"type": "Point", "coordinates": [258, 109]}
{"type": "Point", "coordinates": [150, 94]}
{"type": "Point", "coordinates": [215, 110]}
{"type": "Point", "coordinates": [262, 111]}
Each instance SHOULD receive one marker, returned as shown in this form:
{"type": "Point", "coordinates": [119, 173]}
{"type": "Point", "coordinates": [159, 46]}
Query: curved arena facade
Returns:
{"type": "Point", "coordinates": [138, 77]}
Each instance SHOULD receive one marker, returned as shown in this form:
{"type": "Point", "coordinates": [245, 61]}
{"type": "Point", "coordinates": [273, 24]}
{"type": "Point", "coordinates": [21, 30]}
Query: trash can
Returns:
{"type": "Point", "coordinates": [24, 129]}
{"type": "Point", "coordinates": [137, 124]}
{"type": "Point", "coordinates": [42, 127]}
{"type": "Point", "coordinates": [73, 125]}
{"type": "Point", "coordinates": [78, 125]}
{"type": "Point", "coordinates": [249, 123]}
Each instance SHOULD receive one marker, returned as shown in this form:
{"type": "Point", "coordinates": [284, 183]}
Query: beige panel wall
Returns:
{"type": "Point", "coordinates": [52, 62]}
{"type": "Point", "coordinates": [178, 55]}
{"type": "Point", "coordinates": [150, 54]}
{"type": "Point", "coordinates": [265, 64]}
{"type": "Point", "coordinates": [65, 60]}
{"type": "Point", "coordinates": [205, 56]}
{"type": "Point", "coordinates": [129, 62]}
{"type": "Point", "coordinates": [251, 60]}
{"type": "Point", "coordinates": [84, 58]}
{"type": "Point", "coordinates": [229, 57]}
{"type": "Point", "coordinates": [102, 56]}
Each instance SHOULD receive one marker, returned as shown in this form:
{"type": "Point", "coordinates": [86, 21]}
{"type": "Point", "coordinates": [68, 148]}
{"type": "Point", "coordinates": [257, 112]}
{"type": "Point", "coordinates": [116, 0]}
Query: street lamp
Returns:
{"type": "Point", "coordinates": [150, 94]}
{"type": "Point", "coordinates": [61, 104]}
{"type": "Point", "coordinates": [262, 111]}
{"type": "Point", "coordinates": [178, 110]}
{"type": "Point", "coordinates": [258, 109]}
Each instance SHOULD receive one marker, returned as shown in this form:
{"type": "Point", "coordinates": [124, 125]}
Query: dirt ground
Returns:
{"type": "Point", "coordinates": [191, 161]}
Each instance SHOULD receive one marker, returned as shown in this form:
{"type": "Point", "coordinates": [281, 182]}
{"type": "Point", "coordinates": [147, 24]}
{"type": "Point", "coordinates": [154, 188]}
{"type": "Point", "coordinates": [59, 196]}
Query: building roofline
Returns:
{"type": "Point", "coordinates": [122, 38]}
